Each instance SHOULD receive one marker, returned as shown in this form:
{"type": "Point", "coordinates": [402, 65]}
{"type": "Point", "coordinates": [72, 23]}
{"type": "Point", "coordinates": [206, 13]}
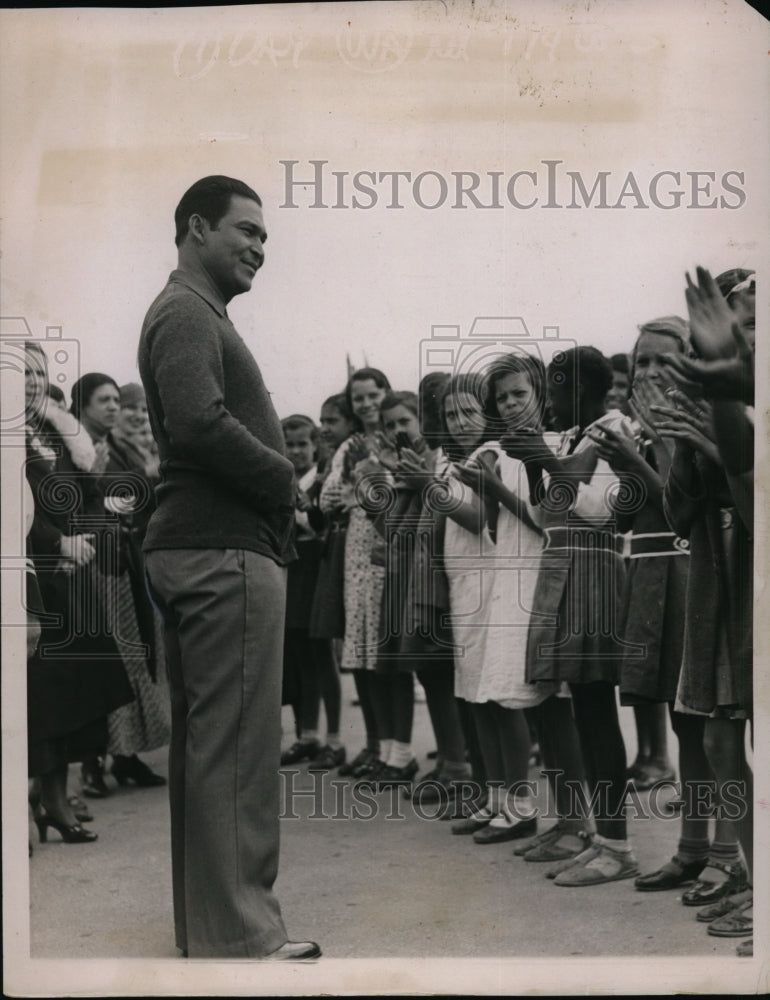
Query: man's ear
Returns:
{"type": "Point", "coordinates": [198, 226]}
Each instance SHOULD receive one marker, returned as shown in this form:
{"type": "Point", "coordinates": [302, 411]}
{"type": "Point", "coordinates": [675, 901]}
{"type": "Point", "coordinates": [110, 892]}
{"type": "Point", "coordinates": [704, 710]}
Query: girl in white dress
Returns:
{"type": "Point", "coordinates": [495, 680]}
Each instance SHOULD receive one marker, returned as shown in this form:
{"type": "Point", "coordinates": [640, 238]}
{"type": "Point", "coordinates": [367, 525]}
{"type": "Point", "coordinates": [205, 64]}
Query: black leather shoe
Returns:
{"type": "Point", "coordinates": [673, 874]}
{"type": "Point", "coordinates": [294, 951]}
{"type": "Point", "coordinates": [125, 769]}
{"type": "Point", "coordinates": [327, 759]}
{"type": "Point", "coordinates": [300, 751]}
{"type": "Point", "coordinates": [707, 891]}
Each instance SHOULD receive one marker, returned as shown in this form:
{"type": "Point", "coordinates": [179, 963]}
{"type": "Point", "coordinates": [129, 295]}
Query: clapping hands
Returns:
{"type": "Point", "coordinates": [527, 444]}
{"type": "Point", "coordinates": [721, 378]}
{"type": "Point", "coordinates": [617, 450]}
{"type": "Point", "coordinates": [711, 319]}
{"type": "Point", "coordinates": [412, 469]}
{"type": "Point", "coordinates": [478, 474]}
{"type": "Point", "coordinates": [688, 421]}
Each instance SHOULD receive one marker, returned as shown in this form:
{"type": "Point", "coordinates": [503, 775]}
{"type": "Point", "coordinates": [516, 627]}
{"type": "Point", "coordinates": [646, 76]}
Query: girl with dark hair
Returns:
{"type": "Point", "coordinates": [653, 613]}
{"type": "Point", "coordinates": [704, 504]}
{"type": "Point", "coordinates": [364, 562]}
{"type": "Point", "coordinates": [75, 677]}
{"type": "Point", "coordinates": [128, 502]}
{"type": "Point", "coordinates": [327, 614]}
{"type": "Point", "coordinates": [308, 660]}
{"type": "Point", "coordinates": [572, 635]}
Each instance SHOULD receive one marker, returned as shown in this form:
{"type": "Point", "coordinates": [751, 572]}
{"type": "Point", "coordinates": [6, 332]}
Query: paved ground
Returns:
{"type": "Point", "coordinates": [394, 885]}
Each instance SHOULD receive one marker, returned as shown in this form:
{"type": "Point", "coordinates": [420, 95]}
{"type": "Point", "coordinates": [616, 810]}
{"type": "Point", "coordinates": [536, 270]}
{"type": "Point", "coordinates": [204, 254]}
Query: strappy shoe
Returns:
{"type": "Point", "coordinates": [553, 850]}
{"type": "Point", "coordinates": [70, 833]}
{"type": "Point", "coordinates": [672, 875]}
{"type": "Point", "coordinates": [723, 906]}
{"type": "Point", "coordinates": [328, 758]}
{"type": "Point", "coordinates": [584, 855]}
{"type": "Point", "coordinates": [737, 923]}
{"type": "Point", "coordinates": [392, 776]}
{"type": "Point", "coordinates": [299, 751]}
{"type": "Point", "coordinates": [708, 891]}
{"type": "Point", "coordinates": [547, 837]}
{"type": "Point", "coordinates": [367, 775]}
{"type": "Point", "coordinates": [607, 865]}
{"type": "Point", "coordinates": [361, 758]}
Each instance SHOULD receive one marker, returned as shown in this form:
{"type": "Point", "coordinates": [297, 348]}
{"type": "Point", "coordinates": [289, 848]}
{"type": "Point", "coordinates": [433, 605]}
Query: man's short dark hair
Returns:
{"type": "Point", "coordinates": [210, 198]}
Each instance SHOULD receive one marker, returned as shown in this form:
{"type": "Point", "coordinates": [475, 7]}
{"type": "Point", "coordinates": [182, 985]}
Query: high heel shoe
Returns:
{"type": "Point", "coordinates": [92, 777]}
{"type": "Point", "coordinates": [125, 769]}
{"type": "Point", "coordinates": [74, 834]}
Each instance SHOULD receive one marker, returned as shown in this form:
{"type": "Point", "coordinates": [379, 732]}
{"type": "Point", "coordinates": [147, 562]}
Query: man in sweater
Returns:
{"type": "Point", "coordinates": [216, 550]}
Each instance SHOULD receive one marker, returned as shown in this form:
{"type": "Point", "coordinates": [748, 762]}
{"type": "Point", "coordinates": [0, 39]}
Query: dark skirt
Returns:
{"type": "Point", "coordinates": [301, 580]}
{"type": "Point", "coordinates": [327, 614]}
{"type": "Point", "coordinates": [717, 661]}
{"type": "Point", "coordinates": [653, 618]}
{"type": "Point", "coordinates": [76, 677]}
{"type": "Point", "coordinates": [573, 634]}
{"type": "Point", "coordinates": [414, 634]}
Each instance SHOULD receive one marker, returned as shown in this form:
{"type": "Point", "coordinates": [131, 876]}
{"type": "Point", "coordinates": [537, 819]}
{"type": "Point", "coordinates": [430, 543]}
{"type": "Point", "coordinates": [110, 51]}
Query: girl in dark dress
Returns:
{"type": "Point", "coordinates": [572, 634]}
{"type": "Point", "coordinates": [653, 614]}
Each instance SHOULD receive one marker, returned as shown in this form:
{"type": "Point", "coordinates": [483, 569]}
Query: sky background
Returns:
{"type": "Point", "coordinates": [108, 116]}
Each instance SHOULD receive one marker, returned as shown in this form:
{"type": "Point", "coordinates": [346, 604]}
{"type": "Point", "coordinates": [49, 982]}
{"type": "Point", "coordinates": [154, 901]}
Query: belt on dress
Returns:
{"type": "Point", "coordinates": [572, 537]}
{"type": "Point", "coordinates": [658, 543]}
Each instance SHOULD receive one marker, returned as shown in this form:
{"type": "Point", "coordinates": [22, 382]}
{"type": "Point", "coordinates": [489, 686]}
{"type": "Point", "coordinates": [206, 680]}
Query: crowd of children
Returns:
{"type": "Point", "coordinates": [536, 543]}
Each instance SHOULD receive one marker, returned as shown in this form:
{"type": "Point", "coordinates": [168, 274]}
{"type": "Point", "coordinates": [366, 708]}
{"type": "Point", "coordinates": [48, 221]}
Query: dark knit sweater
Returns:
{"type": "Point", "coordinates": [225, 480]}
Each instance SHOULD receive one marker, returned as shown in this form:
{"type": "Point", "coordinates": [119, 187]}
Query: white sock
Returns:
{"type": "Point", "coordinates": [385, 746]}
{"type": "Point", "coordinates": [308, 736]}
{"type": "Point", "coordinates": [333, 740]}
{"type": "Point", "coordinates": [400, 754]}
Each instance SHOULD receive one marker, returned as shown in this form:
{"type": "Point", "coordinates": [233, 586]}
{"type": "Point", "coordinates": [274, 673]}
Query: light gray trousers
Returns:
{"type": "Point", "coordinates": [223, 612]}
